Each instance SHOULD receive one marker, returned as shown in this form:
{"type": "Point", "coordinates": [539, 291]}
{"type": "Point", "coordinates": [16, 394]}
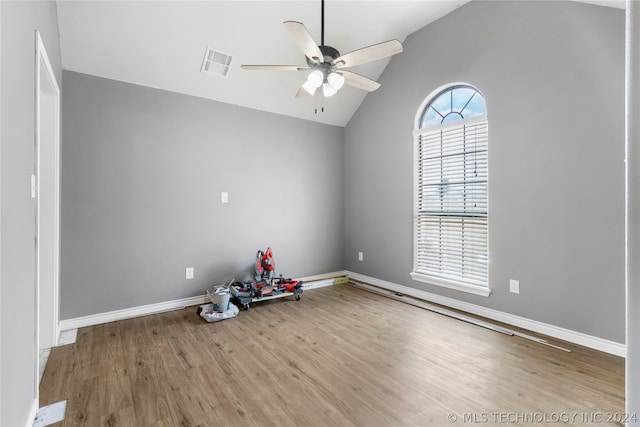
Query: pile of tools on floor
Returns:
{"type": "Point", "coordinates": [265, 287]}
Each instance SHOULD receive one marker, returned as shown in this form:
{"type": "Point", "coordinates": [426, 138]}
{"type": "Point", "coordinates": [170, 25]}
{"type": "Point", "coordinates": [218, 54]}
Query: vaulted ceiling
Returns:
{"type": "Point", "coordinates": [161, 44]}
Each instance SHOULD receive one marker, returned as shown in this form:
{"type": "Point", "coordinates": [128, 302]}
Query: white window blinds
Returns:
{"type": "Point", "coordinates": [451, 202]}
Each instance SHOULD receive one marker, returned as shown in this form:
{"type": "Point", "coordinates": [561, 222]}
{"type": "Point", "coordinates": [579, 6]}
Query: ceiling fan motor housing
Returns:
{"type": "Point", "coordinates": [329, 53]}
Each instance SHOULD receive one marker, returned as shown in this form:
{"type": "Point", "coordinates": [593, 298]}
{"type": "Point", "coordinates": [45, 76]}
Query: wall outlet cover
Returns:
{"type": "Point", "coordinates": [514, 286]}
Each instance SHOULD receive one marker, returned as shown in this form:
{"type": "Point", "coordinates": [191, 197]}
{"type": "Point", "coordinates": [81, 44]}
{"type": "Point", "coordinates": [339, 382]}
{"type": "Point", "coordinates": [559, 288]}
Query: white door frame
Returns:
{"type": "Point", "coordinates": [47, 169]}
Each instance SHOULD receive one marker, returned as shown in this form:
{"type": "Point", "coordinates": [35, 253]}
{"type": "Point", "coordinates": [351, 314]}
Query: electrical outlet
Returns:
{"type": "Point", "coordinates": [189, 273]}
{"type": "Point", "coordinates": [514, 286]}
{"type": "Point", "coordinates": [224, 197]}
{"type": "Point", "coordinates": [360, 256]}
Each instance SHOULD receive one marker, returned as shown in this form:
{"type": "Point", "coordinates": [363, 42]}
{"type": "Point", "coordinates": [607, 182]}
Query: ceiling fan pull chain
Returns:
{"type": "Point", "coordinates": [316, 97]}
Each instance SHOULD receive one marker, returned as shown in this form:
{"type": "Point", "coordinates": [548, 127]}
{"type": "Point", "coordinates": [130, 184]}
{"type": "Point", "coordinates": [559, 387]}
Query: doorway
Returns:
{"type": "Point", "coordinates": [47, 195]}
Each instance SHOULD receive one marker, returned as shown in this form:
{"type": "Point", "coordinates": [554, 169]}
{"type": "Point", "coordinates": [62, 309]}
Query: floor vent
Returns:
{"type": "Point", "coordinates": [50, 414]}
{"type": "Point", "coordinates": [68, 337]}
{"type": "Point", "coordinates": [216, 62]}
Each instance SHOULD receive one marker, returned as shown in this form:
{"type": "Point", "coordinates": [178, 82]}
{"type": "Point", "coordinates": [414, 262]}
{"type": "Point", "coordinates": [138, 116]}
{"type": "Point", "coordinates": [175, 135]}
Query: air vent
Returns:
{"type": "Point", "coordinates": [216, 62]}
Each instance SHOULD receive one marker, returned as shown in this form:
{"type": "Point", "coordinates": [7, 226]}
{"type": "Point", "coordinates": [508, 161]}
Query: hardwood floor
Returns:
{"type": "Point", "coordinates": [339, 357]}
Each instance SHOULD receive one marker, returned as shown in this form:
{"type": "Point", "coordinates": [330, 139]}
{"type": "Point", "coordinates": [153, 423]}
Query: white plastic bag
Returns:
{"type": "Point", "coordinates": [209, 315]}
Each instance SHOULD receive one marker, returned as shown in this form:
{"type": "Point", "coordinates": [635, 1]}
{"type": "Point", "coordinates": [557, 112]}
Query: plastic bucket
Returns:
{"type": "Point", "coordinates": [221, 299]}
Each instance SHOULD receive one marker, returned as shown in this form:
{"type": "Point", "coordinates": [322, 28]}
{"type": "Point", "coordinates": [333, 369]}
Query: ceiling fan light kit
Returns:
{"type": "Point", "coordinates": [326, 63]}
{"type": "Point", "coordinates": [328, 90]}
{"type": "Point", "coordinates": [335, 80]}
{"type": "Point", "coordinates": [309, 88]}
{"type": "Point", "coordinates": [315, 78]}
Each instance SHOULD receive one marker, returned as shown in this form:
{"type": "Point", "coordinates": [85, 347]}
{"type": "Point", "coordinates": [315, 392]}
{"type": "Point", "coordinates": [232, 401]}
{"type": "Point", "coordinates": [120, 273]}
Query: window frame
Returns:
{"type": "Point", "coordinates": [473, 288]}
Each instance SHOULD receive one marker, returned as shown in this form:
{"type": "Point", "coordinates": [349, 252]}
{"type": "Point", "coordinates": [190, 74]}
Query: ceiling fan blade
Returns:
{"type": "Point", "coordinates": [304, 40]}
{"type": "Point", "coordinates": [369, 54]}
{"type": "Point", "coordinates": [274, 67]}
{"type": "Point", "coordinates": [358, 81]}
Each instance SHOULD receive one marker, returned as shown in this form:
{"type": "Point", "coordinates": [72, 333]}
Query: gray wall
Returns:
{"type": "Point", "coordinates": [552, 74]}
{"type": "Point", "coordinates": [142, 172]}
{"type": "Point", "coordinates": [17, 208]}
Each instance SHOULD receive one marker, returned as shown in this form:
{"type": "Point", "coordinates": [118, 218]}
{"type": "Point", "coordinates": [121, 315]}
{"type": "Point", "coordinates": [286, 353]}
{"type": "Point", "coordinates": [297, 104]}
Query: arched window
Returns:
{"type": "Point", "coordinates": [451, 190]}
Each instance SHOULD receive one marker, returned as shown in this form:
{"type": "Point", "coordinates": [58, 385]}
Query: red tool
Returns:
{"type": "Point", "coordinates": [265, 266]}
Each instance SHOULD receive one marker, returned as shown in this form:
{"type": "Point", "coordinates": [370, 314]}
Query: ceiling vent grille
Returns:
{"type": "Point", "coordinates": [216, 62]}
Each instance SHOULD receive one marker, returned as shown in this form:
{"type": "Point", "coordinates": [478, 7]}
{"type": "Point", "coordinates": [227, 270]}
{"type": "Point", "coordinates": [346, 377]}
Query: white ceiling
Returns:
{"type": "Point", "coordinates": [161, 44]}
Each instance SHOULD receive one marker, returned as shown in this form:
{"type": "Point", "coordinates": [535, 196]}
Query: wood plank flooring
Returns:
{"type": "Point", "coordinates": [338, 357]}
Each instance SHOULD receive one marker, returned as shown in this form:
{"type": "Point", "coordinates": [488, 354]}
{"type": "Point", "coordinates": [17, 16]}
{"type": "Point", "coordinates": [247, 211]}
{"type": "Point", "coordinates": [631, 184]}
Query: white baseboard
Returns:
{"type": "Point", "coordinates": [322, 277]}
{"type": "Point", "coordinates": [128, 313]}
{"type": "Point", "coordinates": [321, 280]}
{"type": "Point", "coordinates": [310, 282]}
{"type": "Point", "coordinates": [510, 319]}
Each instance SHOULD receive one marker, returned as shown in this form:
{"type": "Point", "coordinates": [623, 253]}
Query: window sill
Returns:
{"type": "Point", "coordinates": [463, 287]}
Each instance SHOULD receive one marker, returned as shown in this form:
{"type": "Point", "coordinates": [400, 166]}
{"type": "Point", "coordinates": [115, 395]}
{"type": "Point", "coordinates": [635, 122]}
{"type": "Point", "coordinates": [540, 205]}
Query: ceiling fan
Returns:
{"type": "Point", "coordinates": [327, 65]}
